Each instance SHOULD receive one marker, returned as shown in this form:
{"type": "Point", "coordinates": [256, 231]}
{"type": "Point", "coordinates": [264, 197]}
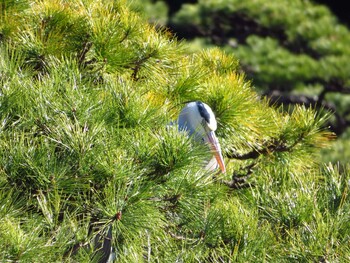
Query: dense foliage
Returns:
{"type": "Point", "coordinates": [295, 52]}
{"type": "Point", "coordinates": [88, 89]}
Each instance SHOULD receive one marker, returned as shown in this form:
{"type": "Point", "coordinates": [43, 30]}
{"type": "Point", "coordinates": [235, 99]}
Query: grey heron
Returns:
{"type": "Point", "coordinates": [198, 119]}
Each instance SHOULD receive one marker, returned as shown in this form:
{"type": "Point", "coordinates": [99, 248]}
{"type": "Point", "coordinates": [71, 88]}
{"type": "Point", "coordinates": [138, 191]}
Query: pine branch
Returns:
{"type": "Point", "coordinates": [341, 123]}
{"type": "Point", "coordinates": [82, 55]}
{"type": "Point", "coordinates": [126, 35]}
{"type": "Point", "coordinates": [245, 26]}
{"type": "Point", "coordinates": [278, 97]}
{"type": "Point", "coordinates": [138, 64]}
{"type": "Point", "coordinates": [336, 86]}
{"type": "Point", "coordinates": [271, 146]}
{"type": "Point", "coordinates": [239, 180]}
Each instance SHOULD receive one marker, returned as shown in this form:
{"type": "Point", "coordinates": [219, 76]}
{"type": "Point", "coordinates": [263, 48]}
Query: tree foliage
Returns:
{"type": "Point", "coordinates": [294, 52]}
{"type": "Point", "coordinates": [88, 89]}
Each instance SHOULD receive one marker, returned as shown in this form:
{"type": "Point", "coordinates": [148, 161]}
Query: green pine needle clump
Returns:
{"type": "Point", "coordinates": [88, 94]}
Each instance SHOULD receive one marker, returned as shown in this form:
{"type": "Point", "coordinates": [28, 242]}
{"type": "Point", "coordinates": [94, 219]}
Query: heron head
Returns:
{"type": "Point", "coordinates": [199, 120]}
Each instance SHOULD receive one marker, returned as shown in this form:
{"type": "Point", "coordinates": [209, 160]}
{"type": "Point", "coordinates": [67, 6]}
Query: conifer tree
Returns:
{"type": "Point", "coordinates": [88, 89]}
{"type": "Point", "coordinates": [293, 52]}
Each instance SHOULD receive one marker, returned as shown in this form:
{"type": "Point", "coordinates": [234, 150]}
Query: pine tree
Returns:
{"type": "Point", "coordinates": [88, 89]}
{"type": "Point", "coordinates": [294, 52]}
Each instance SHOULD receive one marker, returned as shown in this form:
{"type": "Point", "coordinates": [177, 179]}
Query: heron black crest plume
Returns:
{"type": "Point", "coordinates": [202, 111]}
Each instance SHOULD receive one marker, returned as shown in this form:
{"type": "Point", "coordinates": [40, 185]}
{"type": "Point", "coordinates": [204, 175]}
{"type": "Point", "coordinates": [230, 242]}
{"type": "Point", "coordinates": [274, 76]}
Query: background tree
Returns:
{"type": "Point", "coordinates": [88, 89]}
{"type": "Point", "coordinates": [294, 53]}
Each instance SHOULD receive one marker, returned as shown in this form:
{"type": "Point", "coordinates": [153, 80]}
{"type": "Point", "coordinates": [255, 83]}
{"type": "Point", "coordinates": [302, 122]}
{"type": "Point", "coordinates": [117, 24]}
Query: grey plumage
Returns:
{"type": "Point", "coordinates": [198, 119]}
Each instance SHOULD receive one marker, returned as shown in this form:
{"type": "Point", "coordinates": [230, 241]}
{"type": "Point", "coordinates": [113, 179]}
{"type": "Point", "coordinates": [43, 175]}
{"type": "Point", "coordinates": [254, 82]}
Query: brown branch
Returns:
{"type": "Point", "coordinates": [274, 145]}
{"type": "Point", "coordinates": [244, 26]}
{"type": "Point", "coordinates": [82, 55]}
{"type": "Point", "coordinates": [239, 180]}
{"type": "Point", "coordinates": [126, 35]}
{"type": "Point", "coordinates": [138, 65]}
{"type": "Point", "coordinates": [336, 85]}
{"type": "Point", "coordinates": [237, 183]}
{"type": "Point", "coordinates": [254, 154]}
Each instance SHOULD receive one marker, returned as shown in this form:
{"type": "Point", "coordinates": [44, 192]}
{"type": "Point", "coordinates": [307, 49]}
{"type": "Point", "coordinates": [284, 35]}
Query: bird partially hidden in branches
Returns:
{"type": "Point", "coordinates": [198, 119]}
